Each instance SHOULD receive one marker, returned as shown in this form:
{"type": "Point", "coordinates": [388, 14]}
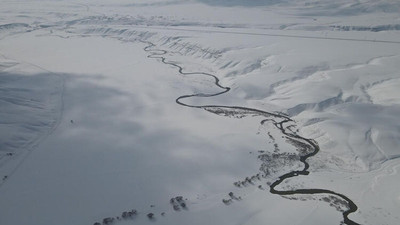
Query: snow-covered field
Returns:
{"type": "Point", "coordinates": [90, 126]}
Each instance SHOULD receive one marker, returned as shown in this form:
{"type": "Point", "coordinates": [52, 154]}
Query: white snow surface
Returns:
{"type": "Point", "coordinates": [89, 126]}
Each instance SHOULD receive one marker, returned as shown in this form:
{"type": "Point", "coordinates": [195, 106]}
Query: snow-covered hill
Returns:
{"type": "Point", "coordinates": [90, 127]}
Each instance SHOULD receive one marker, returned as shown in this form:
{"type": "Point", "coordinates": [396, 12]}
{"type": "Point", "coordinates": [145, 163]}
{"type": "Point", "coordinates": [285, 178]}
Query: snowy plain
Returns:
{"type": "Point", "coordinates": [90, 126]}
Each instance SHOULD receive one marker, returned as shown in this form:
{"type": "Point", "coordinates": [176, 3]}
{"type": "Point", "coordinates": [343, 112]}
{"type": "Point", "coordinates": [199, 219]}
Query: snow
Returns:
{"type": "Point", "coordinates": [89, 126]}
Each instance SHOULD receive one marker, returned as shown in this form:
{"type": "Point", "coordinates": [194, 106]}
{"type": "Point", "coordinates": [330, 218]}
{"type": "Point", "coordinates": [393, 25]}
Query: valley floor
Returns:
{"type": "Point", "coordinates": [90, 126]}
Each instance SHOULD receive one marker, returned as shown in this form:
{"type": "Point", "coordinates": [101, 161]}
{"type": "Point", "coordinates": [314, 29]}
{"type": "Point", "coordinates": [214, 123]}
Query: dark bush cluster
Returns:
{"type": "Point", "coordinates": [108, 220]}
{"type": "Point", "coordinates": [247, 180]}
{"type": "Point", "coordinates": [232, 197]}
{"type": "Point", "coordinates": [150, 215]}
{"type": "Point", "coordinates": [178, 203]}
{"type": "Point", "coordinates": [129, 214]}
